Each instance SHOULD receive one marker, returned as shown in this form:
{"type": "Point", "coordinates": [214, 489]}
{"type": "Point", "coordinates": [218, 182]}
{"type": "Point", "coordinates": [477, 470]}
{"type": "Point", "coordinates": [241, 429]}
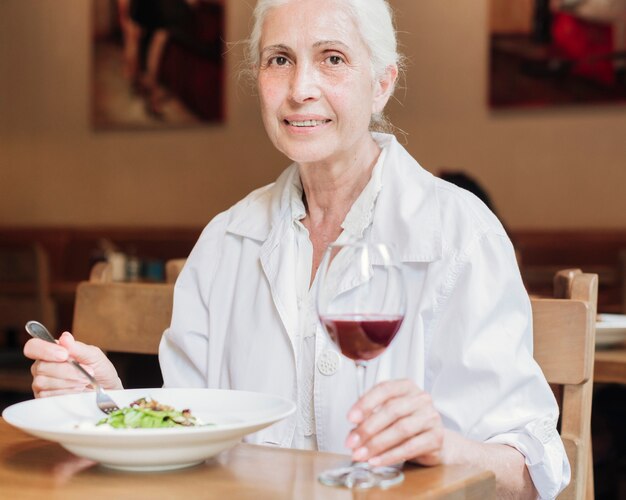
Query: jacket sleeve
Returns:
{"type": "Point", "coordinates": [481, 370]}
{"type": "Point", "coordinates": [184, 347]}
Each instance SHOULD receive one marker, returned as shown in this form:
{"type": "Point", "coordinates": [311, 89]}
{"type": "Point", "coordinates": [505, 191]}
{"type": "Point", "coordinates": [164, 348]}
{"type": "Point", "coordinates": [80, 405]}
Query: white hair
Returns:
{"type": "Point", "coordinates": [374, 20]}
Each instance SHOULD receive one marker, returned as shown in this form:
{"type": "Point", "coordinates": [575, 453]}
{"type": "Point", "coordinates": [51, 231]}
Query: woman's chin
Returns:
{"type": "Point", "coordinates": [303, 155]}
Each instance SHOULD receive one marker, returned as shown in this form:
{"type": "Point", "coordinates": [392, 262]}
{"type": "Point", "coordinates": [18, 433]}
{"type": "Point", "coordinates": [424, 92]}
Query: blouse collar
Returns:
{"type": "Point", "coordinates": [360, 215]}
{"type": "Point", "coordinates": [407, 211]}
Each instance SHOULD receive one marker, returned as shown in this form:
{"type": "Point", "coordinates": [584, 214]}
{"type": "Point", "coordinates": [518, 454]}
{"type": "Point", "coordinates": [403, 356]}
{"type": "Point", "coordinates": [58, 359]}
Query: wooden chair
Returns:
{"type": "Point", "coordinates": [24, 296]}
{"type": "Point", "coordinates": [564, 345]}
{"type": "Point", "coordinates": [121, 317]}
{"type": "Point", "coordinates": [25, 287]}
{"type": "Point", "coordinates": [124, 317]}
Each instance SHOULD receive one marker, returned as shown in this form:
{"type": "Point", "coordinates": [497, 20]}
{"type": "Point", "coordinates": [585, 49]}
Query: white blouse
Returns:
{"type": "Point", "coordinates": [242, 306]}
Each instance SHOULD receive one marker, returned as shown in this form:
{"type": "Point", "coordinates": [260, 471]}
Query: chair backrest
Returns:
{"type": "Point", "coordinates": [564, 346]}
{"type": "Point", "coordinates": [121, 317]}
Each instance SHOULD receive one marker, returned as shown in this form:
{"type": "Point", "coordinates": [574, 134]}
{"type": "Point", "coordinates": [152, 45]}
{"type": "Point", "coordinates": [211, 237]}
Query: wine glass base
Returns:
{"type": "Point", "coordinates": [362, 476]}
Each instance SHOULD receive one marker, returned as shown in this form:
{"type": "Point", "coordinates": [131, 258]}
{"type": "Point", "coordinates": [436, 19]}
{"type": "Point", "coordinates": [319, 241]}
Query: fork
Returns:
{"type": "Point", "coordinates": [103, 400]}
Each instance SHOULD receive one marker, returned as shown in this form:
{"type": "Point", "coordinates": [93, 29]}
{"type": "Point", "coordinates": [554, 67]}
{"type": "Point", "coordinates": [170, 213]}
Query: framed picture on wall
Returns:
{"type": "Point", "coordinates": [556, 52]}
{"type": "Point", "coordinates": [157, 63]}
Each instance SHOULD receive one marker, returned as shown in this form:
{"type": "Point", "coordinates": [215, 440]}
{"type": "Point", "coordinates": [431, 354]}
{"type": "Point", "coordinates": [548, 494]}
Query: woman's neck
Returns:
{"type": "Point", "coordinates": [330, 188]}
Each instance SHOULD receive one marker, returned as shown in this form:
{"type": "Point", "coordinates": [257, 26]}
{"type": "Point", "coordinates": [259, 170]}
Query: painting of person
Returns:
{"type": "Point", "coordinates": [157, 63]}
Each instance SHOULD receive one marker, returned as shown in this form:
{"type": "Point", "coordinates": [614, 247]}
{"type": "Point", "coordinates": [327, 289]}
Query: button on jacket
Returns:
{"type": "Point", "coordinates": [466, 338]}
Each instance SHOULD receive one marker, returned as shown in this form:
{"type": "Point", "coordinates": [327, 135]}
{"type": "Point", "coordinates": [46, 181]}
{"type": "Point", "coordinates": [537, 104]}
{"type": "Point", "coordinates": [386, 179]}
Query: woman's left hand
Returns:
{"type": "Point", "coordinates": [396, 421]}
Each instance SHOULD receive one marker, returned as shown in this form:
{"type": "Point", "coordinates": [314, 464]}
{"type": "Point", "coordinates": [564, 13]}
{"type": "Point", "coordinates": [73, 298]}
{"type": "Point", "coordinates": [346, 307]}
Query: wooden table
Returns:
{"type": "Point", "coordinates": [33, 468]}
{"type": "Point", "coordinates": [610, 365]}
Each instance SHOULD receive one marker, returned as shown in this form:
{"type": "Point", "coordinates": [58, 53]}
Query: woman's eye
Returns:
{"type": "Point", "coordinates": [279, 61]}
{"type": "Point", "coordinates": [335, 60]}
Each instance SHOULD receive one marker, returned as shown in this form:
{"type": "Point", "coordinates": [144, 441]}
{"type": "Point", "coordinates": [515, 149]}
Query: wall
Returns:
{"type": "Point", "coordinates": [546, 169]}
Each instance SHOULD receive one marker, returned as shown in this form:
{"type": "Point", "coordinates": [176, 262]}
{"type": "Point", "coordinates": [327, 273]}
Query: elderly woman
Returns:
{"type": "Point", "coordinates": [459, 384]}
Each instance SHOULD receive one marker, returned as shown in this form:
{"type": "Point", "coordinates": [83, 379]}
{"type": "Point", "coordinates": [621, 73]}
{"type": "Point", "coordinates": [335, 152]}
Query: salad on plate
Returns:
{"type": "Point", "coordinates": [147, 413]}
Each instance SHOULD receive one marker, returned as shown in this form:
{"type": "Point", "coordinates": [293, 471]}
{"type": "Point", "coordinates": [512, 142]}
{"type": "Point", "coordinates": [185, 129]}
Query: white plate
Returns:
{"type": "Point", "coordinates": [235, 413]}
{"type": "Point", "coordinates": [610, 329]}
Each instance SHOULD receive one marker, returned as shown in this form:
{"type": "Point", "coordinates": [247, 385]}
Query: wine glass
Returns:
{"type": "Point", "coordinates": [361, 301]}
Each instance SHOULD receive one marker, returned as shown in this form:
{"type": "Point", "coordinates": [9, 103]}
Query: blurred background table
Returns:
{"type": "Point", "coordinates": [610, 365]}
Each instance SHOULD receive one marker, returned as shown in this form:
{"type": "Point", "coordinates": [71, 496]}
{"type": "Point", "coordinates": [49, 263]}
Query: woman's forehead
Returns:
{"type": "Point", "coordinates": [309, 22]}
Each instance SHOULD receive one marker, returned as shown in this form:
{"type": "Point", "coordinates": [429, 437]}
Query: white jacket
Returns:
{"type": "Point", "coordinates": [466, 338]}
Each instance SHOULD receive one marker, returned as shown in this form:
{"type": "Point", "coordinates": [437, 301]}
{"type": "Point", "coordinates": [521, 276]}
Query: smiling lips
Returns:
{"type": "Point", "coordinates": [306, 123]}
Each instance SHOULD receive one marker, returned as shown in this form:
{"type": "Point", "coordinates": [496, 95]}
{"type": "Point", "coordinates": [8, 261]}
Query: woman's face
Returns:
{"type": "Point", "coordinates": [315, 81]}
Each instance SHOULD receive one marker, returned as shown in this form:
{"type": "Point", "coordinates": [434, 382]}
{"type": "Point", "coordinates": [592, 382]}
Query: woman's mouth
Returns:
{"type": "Point", "coordinates": [306, 123]}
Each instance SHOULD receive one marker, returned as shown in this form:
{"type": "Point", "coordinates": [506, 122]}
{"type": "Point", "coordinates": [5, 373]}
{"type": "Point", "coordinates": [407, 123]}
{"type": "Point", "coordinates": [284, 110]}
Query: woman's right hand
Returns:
{"type": "Point", "coordinates": [52, 376]}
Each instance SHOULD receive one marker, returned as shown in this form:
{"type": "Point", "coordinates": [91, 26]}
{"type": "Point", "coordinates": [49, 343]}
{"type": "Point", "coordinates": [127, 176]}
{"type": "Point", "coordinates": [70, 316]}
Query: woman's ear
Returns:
{"type": "Point", "coordinates": [383, 88]}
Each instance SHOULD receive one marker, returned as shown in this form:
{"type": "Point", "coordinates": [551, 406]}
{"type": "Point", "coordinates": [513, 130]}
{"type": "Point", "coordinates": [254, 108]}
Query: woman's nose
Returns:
{"type": "Point", "coordinates": [305, 84]}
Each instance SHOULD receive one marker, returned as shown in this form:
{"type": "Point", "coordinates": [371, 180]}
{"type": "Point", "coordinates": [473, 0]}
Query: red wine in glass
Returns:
{"type": "Point", "coordinates": [362, 337]}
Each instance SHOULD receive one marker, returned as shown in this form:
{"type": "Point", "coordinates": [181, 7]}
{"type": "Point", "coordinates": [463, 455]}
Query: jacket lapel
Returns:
{"type": "Point", "coordinates": [278, 261]}
{"type": "Point", "coordinates": [267, 219]}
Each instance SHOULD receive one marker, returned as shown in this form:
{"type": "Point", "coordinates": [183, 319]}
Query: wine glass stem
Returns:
{"type": "Point", "coordinates": [360, 377]}
{"type": "Point", "coordinates": [360, 388]}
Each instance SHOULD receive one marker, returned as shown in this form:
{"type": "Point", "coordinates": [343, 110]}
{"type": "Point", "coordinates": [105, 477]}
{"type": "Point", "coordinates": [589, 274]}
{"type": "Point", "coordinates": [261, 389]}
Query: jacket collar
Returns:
{"type": "Point", "coordinates": [262, 210]}
{"type": "Point", "coordinates": [406, 214]}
